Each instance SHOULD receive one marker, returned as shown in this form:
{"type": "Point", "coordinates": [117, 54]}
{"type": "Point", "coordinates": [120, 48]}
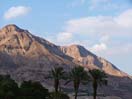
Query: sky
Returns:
{"type": "Point", "coordinates": [104, 27]}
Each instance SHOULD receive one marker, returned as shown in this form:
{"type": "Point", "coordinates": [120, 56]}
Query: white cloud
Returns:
{"type": "Point", "coordinates": [110, 25]}
{"type": "Point", "coordinates": [125, 19]}
{"type": "Point", "coordinates": [105, 5]}
{"type": "Point", "coordinates": [96, 3]}
{"type": "Point", "coordinates": [104, 38]}
{"type": "Point", "coordinates": [64, 37]}
{"type": "Point", "coordinates": [103, 35]}
{"type": "Point", "coordinates": [99, 47]}
{"type": "Point", "coordinates": [120, 49]}
{"type": "Point", "coordinates": [16, 11]}
{"type": "Point", "coordinates": [102, 46]}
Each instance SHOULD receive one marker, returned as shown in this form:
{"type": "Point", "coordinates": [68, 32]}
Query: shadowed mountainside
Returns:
{"type": "Point", "coordinates": [28, 57]}
{"type": "Point", "coordinates": [84, 57]}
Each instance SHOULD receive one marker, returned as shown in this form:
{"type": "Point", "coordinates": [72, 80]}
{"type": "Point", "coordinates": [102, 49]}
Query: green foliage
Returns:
{"type": "Point", "coordinates": [77, 75]}
{"type": "Point", "coordinates": [98, 78]}
{"type": "Point", "coordinates": [28, 90]}
{"type": "Point", "coordinates": [32, 90]}
{"type": "Point", "coordinates": [8, 87]}
{"type": "Point", "coordinates": [57, 74]}
{"type": "Point", "coordinates": [58, 95]}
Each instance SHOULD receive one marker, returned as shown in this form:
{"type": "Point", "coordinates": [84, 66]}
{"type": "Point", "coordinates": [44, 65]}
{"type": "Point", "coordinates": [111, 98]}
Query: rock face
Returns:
{"type": "Point", "coordinates": [28, 57]}
{"type": "Point", "coordinates": [87, 59]}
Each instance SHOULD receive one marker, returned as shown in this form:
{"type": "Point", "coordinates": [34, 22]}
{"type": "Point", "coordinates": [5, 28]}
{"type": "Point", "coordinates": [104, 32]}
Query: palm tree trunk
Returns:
{"type": "Point", "coordinates": [76, 87]}
{"type": "Point", "coordinates": [76, 94]}
{"type": "Point", "coordinates": [56, 85]}
{"type": "Point", "coordinates": [95, 89]}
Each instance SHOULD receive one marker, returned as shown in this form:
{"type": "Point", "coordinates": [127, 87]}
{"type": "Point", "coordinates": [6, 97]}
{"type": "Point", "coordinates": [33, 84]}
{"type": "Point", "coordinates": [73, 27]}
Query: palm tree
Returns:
{"type": "Point", "coordinates": [98, 78]}
{"type": "Point", "coordinates": [77, 75]}
{"type": "Point", "coordinates": [57, 73]}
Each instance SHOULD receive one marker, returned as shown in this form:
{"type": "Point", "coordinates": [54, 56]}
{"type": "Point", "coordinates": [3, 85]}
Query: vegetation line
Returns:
{"type": "Point", "coordinates": [9, 89]}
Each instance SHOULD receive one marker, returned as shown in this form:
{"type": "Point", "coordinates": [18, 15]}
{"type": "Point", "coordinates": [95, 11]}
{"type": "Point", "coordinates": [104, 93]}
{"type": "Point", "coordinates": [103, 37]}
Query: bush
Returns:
{"type": "Point", "coordinates": [27, 90]}
{"type": "Point", "coordinates": [32, 90]}
{"type": "Point", "coordinates": [8, 87]}
{"type": "Point", "coordinates": [58, 95]}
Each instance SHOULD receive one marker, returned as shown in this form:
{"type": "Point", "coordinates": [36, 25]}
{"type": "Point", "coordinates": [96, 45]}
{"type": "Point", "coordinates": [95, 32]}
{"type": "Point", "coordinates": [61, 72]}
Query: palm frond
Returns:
{"type": "Point", "coordinates": [67, 82]}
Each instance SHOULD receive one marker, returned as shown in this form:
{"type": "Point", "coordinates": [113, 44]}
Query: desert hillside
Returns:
{"type": "Point", "coordinates": [28, 57]}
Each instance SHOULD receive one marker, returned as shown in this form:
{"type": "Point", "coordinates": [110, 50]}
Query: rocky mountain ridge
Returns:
{"type": "Point", "coordinates": [89, 60]}
{"type": "Point", "coordinates": [28, 57]}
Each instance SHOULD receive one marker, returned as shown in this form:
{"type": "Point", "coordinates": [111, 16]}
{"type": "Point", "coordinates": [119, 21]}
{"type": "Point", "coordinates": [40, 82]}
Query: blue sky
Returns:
{"type": "Point", "coordinates": [102, 26]}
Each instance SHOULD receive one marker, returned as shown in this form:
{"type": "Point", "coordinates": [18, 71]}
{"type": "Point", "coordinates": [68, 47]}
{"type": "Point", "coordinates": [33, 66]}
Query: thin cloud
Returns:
{"type": "Point", "coordinates": [104, 38]}
{"type": "Point", "coordinates": [76, 3]}
{"type": "Point", "coordinates": [103, 32]}
{"type": "Point", "coordinates": [120, 24]}
{"type": "Point", "coordinates": [99, 47]}
{"type": "Point", "coordinates": [64, 37]}
{"type": "Point", "coordinates": [16, 11]}
{"type": "Point", "coordinates": [106, 5]}
{"type": "Point", "coordinates": [124, 49]}
{"type": "Point", "coordinates": [100, 4]}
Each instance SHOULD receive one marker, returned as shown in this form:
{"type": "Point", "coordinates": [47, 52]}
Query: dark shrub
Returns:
{"type": "Point", "coordinates": [8, 87]}
{"type": "Point", "coordinates": [32, 90]}
{"type": "Point", "coordinates": [58, 95]}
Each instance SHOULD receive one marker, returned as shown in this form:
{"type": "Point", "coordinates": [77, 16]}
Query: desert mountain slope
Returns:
{"type": "Point", "coordinates": [21, 44]}
{"type": "Point", "coordinates": [24, 52]}
{"type": "Point", "coordinates": [85, 58]}
{"type": "Point", "coordinates": [28, 57]}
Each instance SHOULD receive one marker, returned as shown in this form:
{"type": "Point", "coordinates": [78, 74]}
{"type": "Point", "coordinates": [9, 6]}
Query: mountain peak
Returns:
{"type": "Point", "coordinates": [14, 40]}
{"type": "Point", "coordinates": [77, 50]}
{"type": "Point", "coordinates": [11, 27]}
{"type": "Point", "coordinates": [76, 46]}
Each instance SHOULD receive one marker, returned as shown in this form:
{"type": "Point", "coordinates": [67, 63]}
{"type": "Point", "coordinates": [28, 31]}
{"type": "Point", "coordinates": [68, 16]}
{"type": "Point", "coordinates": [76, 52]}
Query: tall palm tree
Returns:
{"type": "Point", "coordinates": [57, 73]}
{"type": "Point", "coordinates": [77, 75]}
{"type": "Point", "coordinates": [98, 78]}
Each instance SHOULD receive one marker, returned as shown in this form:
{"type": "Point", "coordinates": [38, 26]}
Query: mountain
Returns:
{"type": "Point", "coordinates": [87, 59]}
{"type": "Point", "coordinates": [28, 57]}
{"type": "Point", "coordinates": [27, 54]}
